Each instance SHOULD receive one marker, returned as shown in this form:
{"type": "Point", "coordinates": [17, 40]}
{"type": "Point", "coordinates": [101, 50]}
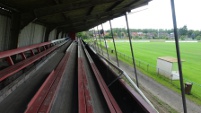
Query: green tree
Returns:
{"type": "Point", "coordinates": [182, 37]}
{"type": "Point", "coordinates": [198, 37]}
{"type": "Point", "coordinates": [190, 34]}
{"type": "Point", "coordinates": [183, 30]}
{"type": "Point", "coordinates": [82, 34]}
{"type": "Point", "coordinates": [196, 33]}
{"type": "Point", "coordinates": [170, 31]}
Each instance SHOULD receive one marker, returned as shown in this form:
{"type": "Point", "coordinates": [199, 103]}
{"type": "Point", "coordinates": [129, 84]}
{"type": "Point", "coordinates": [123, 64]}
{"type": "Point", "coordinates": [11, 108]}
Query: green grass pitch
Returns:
{"type": "Point", "coordinates": [148, 52]}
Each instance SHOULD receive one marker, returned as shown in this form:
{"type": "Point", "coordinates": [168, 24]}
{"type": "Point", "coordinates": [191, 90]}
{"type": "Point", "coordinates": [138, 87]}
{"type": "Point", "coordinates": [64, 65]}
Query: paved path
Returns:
{"type": "Point", "coordinates": [166, 95]}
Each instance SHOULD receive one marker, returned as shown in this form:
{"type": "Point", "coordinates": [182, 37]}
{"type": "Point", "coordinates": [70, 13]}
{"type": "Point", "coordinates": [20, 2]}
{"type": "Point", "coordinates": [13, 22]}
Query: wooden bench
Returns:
{"type": "Point", "coordinates": [111, 102]}
{"type": "Point", "coordinates": [14, 68]}
{"type": "Point", "coordinates": [42, 100]}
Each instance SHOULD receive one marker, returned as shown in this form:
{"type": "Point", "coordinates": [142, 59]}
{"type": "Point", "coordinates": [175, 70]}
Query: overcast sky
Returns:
{"type": "Point", "coordinates": [157, 15]}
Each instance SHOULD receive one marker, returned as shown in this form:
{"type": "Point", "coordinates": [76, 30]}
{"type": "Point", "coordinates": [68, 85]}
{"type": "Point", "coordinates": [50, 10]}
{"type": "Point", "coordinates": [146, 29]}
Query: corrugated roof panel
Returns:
{"type": "Point", "coordinates": [101, 8]}
{"type": "Point", "coordinates": [75, 13]}
{"type": "Point", "coordinates": [54, 18]}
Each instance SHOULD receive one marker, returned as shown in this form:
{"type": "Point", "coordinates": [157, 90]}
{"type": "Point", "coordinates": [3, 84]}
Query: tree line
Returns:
{"type": "Point", "coordinates": [183, 33]}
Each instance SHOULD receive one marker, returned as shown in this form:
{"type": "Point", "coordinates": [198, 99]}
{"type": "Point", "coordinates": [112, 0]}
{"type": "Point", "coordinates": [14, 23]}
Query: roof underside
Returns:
{"type": "Point", "coordinates": [70, 15]}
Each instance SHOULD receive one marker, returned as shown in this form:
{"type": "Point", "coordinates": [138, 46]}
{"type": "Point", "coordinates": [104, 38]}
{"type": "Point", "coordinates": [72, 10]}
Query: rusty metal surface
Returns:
{"type": "Point", "coordinates": [66, 97]}
{"type": "Point", "coordinates": [110, 101]}
{"type": "Point", "coordinates": [18, 100]}
{"type": "Point", "coordinates": [43, 99]}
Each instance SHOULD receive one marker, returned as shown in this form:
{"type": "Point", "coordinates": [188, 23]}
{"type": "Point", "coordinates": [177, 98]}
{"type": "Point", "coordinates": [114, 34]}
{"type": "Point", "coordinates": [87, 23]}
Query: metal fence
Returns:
{"type": "Point", "coordinates": [152, 70]}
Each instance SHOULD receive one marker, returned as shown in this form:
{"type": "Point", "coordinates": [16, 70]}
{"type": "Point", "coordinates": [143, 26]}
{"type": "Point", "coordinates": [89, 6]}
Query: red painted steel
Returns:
{"type": "Point", "coordinates": [81, 97]}
{"type": "Point", "coordinates": [59, 71]}
{"type": "Point", "coordinates": [44, 47]}
{"type": "Point", "coordinates": [10, 61]}
{"type": "Point", "coordinates": [72, 35]}
{"type": "Point", "coordinates": [39, 97]}
{"type": "Point", "coordinates": [84, 94]}
{"type": "Point", "coordinates": [32, 53]}
{"type": "Point", "coordinates": [43, 99]}
{"type": "Point", "coordinates": [21, 65]}
{"type": "Point", "coordinates": [38, 49]}
{"type": "Point", "coordinates": [8, 53]}
{"type": "Point", "coordinates": [112, 104]}
{"type": "Point", "coordinates": [23, 56]}
{"type": "Point", "coordinates": [17, 67]}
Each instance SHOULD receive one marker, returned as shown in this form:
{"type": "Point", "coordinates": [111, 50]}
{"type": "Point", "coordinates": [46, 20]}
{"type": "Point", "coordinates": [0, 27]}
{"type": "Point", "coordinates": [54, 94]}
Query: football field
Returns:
{"type": "Point", "coordinates": [148, 52]}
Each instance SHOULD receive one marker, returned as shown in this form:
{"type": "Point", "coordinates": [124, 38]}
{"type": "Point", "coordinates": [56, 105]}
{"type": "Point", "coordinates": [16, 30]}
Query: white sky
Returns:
{"type": "Point", "coordinates": [157, 15]}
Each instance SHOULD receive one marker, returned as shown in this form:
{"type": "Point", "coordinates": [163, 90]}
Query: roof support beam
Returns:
{"type": "Point", "coordinates": [114, 5]}
{"type": "Point", "coordinates": [65, 17]}
{"type": "Point", "coordinates": [15, 30]}
{"type": "Point", "coordinates": [26, 18]}
{"type": "Point", "coordinates": [93, 17]}
{"type": "Point", "coordinates": [47, 33]}
{"type": "Point", "coordinates": [88, 25]}
{"type": "Point", "coordinates": [57, 1]}
{"type": "Point", "coordinates": [9, 8]}
{"type": "Point", "coordinates": [135, 2]}
{"type": "Point", "coordinates": [80, 20]}
{"type": "Point", "coordinates": [57, 34]}
{"type": "Point", "coordinates": [41, 12]}
{"type": "Point", "coordinates": [90, 10]}
{"type": "Point", "coordinates": [113, 13]}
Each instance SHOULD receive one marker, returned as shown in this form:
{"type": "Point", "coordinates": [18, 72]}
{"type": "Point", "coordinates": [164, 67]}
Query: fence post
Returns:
{"type": "Point", "coordinates": [178, 56]}
{"type": "Point", "coordinates": [114, 43]}
{"type": "Point", "coordinates": [131, 47]}
{"type": "Point", "coordinates": [106, 46]}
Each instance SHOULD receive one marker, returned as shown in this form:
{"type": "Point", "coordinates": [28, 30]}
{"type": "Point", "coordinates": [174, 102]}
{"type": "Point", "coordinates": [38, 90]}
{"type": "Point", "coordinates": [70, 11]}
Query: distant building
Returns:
{"type": "Point", "coordinates": [137, 34]}
{"type": "Point", "coordinates": [171, 35]}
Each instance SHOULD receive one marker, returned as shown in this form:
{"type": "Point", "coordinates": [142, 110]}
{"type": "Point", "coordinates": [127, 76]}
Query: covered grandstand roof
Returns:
{"type": "Point", "coordinates": [71, 15]}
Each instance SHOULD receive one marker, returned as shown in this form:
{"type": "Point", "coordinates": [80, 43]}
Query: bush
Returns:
{"type": "Point", "coordinates": [182, 37]}
{"type": "Point", "coordinates": [108, 37]}
{"type": "Point", "coordinates": [198, 37]}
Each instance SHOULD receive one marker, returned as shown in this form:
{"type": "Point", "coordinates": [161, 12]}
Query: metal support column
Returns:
{"type": "Point", "coordinates": [178, 55]}
{"type": "Point", "coordinates": [15, 30]}
{"type": "Point", "coordinates": [106, 46]}
{"type": "Point", "coordinates": [62, 35]}
{"type": "Point", "coordinates": [131, 47]}
{"type": "Point", "coordinates": [14, 33]}
{"type": "Point", "coordinates": [114, 43]}
{"type": "Point", "coordinates": [57, 34]}
{"type": "Point", "coordinates": [100, 40]}
{"type": "Point", "coordinates": [47, 32]}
